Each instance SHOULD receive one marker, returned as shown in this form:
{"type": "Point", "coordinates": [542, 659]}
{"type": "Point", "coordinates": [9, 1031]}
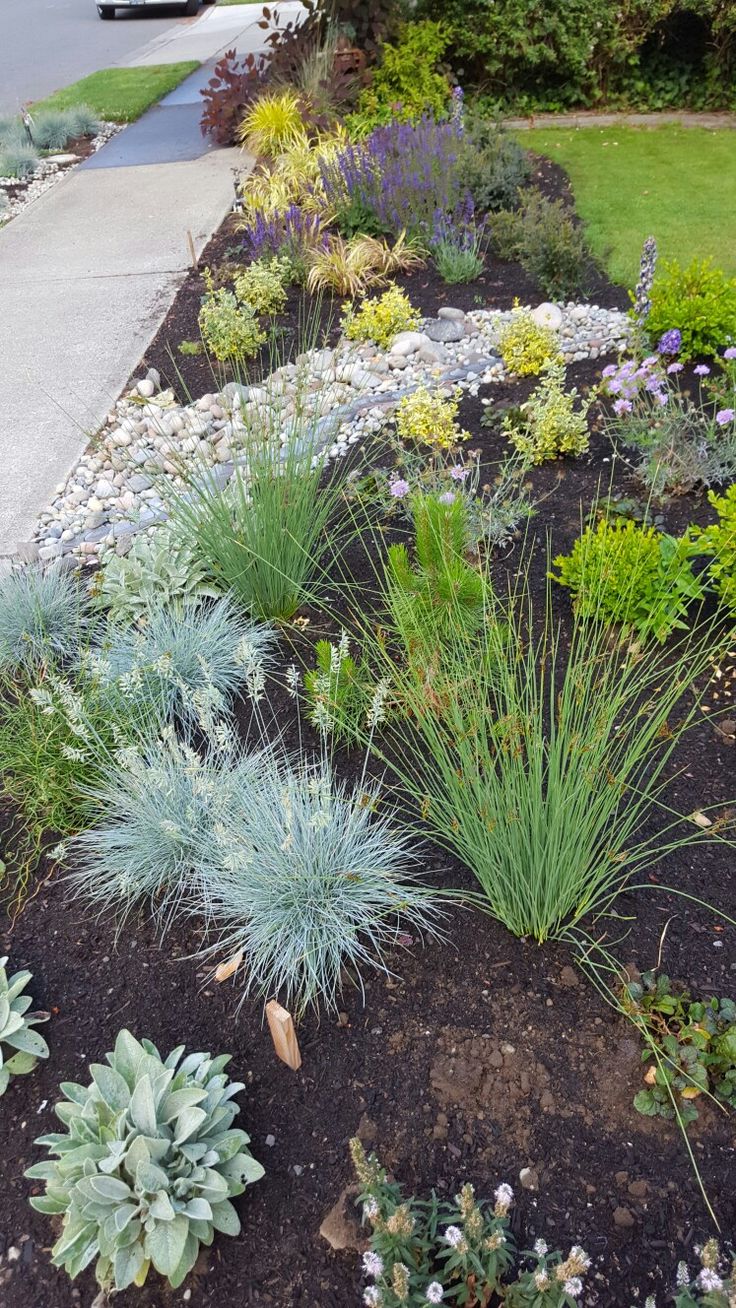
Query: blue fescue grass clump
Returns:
{"type": "Point", "coordinates": [17, 160]}
{"type": "Point", "coordinates": [192, 657]}
{"type": "Point", "coordinates": [52, 130]}
{"type": "Point", "coordinates": [159, 817]}
{"type": "Point", "coordinates": [83, 121]}
{"type": "Point", "coordinates": [43, 616]}
{"type": "Point", "coordinates": [314, 884]}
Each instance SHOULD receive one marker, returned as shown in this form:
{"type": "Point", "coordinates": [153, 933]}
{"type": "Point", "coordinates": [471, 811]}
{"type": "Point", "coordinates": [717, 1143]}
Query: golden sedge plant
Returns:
{"type": "Point", "coordinates": [345, 267]}
{"type": "Point", "coordinates": [272, 124]}
{"type": "Point", "coordinates": [430, 418]}
{"type": "Point", "coordinates": [381, 317]}
{"type": "Point", "coordinates": [526, 347]}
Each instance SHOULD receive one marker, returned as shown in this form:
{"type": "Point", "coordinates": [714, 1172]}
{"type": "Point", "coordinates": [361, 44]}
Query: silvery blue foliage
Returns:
{"type": "Point", "coordinates": [43, 615]}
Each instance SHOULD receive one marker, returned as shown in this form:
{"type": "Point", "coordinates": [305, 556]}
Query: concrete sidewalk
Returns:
{"type": "Point", "coordinates": [88, 272]}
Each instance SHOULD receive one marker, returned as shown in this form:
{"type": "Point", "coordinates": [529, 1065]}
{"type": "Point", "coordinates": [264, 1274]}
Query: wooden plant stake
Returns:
{"type": "Point", "coordinates": [192, 251]}
{"type": "Point", "coordinates": [281, 1026]}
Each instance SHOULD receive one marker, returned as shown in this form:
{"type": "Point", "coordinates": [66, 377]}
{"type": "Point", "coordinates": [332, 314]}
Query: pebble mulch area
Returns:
{"type": "Point", "coordinates": [115, 490]}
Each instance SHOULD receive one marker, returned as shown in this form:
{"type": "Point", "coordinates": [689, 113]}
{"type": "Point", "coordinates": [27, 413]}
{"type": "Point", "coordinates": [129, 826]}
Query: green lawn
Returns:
{"type": "Point", "coordinates": [121, 95]}
{"type": "Point", "coordinates": [675, 183]}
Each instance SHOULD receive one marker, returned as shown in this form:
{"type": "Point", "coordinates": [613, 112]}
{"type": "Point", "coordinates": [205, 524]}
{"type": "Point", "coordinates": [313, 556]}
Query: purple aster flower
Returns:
{"type": "Point", "coordinates": [459, 473]}
{"type": "Point", "coordinates": [675, 367]}
{"type": "Point", "coordinates": [730, 353]}
{"type": "Point", "coordinates": [653, 385]}
{"type": "Point", "coordinates": [610, 370]}
{"type": "Point", "coordinates": [702, 370]}
{"type": "Point", "coordinates": [670, 342]}
{"type": "Point", "coordinates": [622, 406]}
{"type": "Point", "coordinates": [725, 416]}
{"type": "Point", "coordinates": [662, 398]}
{"type": "Point", "coordinates": [614, 385]}
{"type": "Point", "coordinates": [399, 488]}
{"type": "Point", "coordinates": [448, 497]}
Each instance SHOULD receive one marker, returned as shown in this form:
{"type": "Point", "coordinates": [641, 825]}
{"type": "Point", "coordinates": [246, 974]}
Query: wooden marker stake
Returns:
{"type": "Point", "coordinates": [192, 251]}
{"type": "Point", "coordinates": [281, 1026]}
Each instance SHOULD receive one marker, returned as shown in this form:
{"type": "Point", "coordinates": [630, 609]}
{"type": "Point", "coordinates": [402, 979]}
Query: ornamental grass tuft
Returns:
{"type": "Point", "coordinates": [43, 616]}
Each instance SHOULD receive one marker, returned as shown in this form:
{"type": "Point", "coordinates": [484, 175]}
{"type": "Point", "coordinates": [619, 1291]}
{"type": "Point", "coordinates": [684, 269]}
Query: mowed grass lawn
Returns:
{"type": "Point", "coordinates": [675, 183]}
{"type": "Point", "coordinates": [120, 95]}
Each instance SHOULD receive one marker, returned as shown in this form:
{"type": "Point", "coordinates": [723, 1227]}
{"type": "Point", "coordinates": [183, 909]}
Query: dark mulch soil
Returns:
{"type": "Point", "coordinates": [484, 1055]}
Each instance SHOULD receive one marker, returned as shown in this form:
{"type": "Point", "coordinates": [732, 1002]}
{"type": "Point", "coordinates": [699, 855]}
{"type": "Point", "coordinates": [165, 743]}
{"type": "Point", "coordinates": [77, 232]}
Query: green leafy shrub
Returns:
{"type": "Point", "coordinates": [336, 690]}
{"type": "Point", "coordinates": [495, 167]}
{"type": "Point", "coordinates": [262, 285]}
{"type": "Point", "coordinates": [380, 318]}
{"type": "Point", "coordinates": [699, 301]}
{"type": "Point", "coordinates": [525, 347]}
{"type": "Point", "coordinates": [553, 249]}
{"type": "Point", "coordinates": [230, 330]}
{"type": "Point", "coordinates": [43, 617]}
{"type": "Point", "coordinates": [548, 424]}
{"type": "Point", "coordinates": [719, 540]}
{"type": "Point", "coordinates": [407, 82]}
{"type": "Point", "coordinates": [15, 1028]}
{"type": "Point", "coordinates": [430, 418]}
{"type": "Point", "coordinates": [504, 230]}
{"type": "Point", "coordinates": [163, 568]}
{"type": "Point", "coordinates": [636, 576]}
{"type": "Point", "coordinates": [690, 1046]}
{"type": "Point", "coordinates": [148, 1166]}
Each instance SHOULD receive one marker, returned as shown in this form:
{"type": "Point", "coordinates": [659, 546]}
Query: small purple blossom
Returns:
{"type": "Point", "coordinates": [702, 370]}
{"type": "Point", "coordinates": [725, 416]}
{"type": "Point", "coordinates": [622, 406]}
{"type": "Point", "coordinates": [609, 370]}
{"type": "Point", "coordinates": [670, 342]}
{"type": "Point", "coordinates": [459, 473]}
{"type": "Point", "coordinates": [675, 367]}
{"type": "Point", "coordinates": [399, 488]}
{"type": "Point", "coordinates": [662, 398]}
{"type": "Point", "coordinates": [448, 497]}
{"type": "Point", "coordinates": [730, 353]}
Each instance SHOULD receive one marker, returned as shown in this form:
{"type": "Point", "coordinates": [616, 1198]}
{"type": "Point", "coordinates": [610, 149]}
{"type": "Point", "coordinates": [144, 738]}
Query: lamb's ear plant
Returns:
{"type": "Point", "coordinates": [148, 1166]}
{"type": "Point", "coordinates": [163, 568]}
{"type": "Point", "coordinates": [20, 1046]}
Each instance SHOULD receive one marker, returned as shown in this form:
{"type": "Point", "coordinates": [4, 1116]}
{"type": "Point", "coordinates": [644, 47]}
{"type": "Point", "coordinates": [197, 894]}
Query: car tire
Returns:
{"type": "Point", "coordinates": [106, 11]}
{"type": "Point", "coordinates": [191, 8]}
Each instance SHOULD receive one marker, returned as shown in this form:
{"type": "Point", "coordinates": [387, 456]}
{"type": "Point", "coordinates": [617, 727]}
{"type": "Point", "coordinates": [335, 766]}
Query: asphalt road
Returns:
{"type": "Point", "coordinates": [45, 44]}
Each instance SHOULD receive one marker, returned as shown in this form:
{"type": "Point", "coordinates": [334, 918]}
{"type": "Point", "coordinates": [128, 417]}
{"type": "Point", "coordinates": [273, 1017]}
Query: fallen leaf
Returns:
{"type": "Point", "coordinates": [226, 969]}
{"type": "Point", "coordinates": [700, 819]}
{"type": "Point", "coordinates": [690, 1092]}
{"type": "Point", "coordinates": [650, 1076]}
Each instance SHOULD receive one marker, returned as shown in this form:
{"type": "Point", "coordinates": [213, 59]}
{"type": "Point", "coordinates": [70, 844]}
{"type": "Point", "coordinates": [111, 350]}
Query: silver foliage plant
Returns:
{"type": "Point", "coordinates": [162, 568]}
{"type": "Point", "coordinates": [43, 616]}
{"type": "Point", "coordinates": [16, 1035]}
{"type": "Point", "coordinates": [148, 1165]}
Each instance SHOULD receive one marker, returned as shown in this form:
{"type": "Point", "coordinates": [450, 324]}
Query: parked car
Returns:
{"type": "Point", "coordinates": [186, 6]}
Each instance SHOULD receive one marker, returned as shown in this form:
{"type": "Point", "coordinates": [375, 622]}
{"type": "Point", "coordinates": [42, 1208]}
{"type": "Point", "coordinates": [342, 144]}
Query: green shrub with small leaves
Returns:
{"type": "Point", "coordinates": [16, 1035]}
{"type": "Point", "coordinates": [553, 249]}
{"type": "Point", "coordinates": [525, 346]}
{"type": "Point", "coordinates": [381, 317]}
{"type": "Point", "coordinates": [699, 301]}
{"type": "Point", "coordinates": [148, 1165]}
{"type": "Point", "coordinates": [407, 82]}
{"type": "Point", "coordinates": [262, 285]}
{"type": "Point", "coordinates": [719, 541]}
{"type": "Point", "coordinates": [230, 330]}
{"type": "Point", "coordinates": [636, 576]}
{"type": "Point", "coordinates": [548, 424]}
{"type": "Point", "coordinates": [695, 1045]}
{"type": "Point", "coordinates": [495, 167]}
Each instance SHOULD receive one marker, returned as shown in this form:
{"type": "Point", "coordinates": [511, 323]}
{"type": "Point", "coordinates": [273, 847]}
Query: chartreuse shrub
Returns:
{"type": "Point", "coordinates": [148, 1165]}
{"type": "Point", "coordinates": [20, 1046]}
{"type": "Point", "coordinates": [43, 617]}
{"type": "Point", "coordinates": [430, 418]}
{"type": "Point", "coordinates": [699, 301]}
{"type": "Point", "coordinates": [262, 285]}
{"type": "Point", "coordinates": [548, 424]}
{"type": "Point", "coordinates": [271, 124]}
{"type": "Point", "coordinates": [230, 329]}
{"type": "Point", "coordinates": [636, 576]}
{"type": "Point", "coordinates": [407, 82]}
{"type": "Point", "coordinates": [525, 346]}
{"type": "Point", "coordinates": [381, 317]}
{"type": "Point", "coordinates": [159, 569]}
{"type": "Point", "coordinates": [694, 1044]}
{"type": "Point", "coordinates": [538, 760]}
{"type": "Point", "coordinates": [719, 541]}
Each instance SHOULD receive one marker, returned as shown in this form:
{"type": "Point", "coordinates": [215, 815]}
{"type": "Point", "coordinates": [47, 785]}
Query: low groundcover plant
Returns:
{"type": "Point", "coordinates": [148, 1166]}
{"type": "Point", "coordinates": [25, 1045]}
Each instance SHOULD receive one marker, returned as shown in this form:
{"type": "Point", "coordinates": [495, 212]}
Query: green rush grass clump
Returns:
{"type": "Point", "coordinates": [541, 762]}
